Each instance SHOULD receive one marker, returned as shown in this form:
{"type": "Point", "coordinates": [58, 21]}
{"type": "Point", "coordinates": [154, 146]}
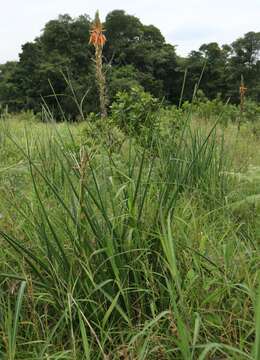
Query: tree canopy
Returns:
{"type": "Point", "coordinates": [58, 67]}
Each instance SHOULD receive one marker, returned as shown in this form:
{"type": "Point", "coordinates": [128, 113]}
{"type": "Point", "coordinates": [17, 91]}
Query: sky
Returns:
{"type": "Point", "coordinates": [185, 23]}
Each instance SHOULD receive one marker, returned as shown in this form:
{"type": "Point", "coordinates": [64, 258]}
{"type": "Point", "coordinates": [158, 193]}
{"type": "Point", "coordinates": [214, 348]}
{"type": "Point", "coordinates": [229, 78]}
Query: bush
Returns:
{"type": "Point", "coordinates": [172, 121]}
{"type": "Point", "coordinates": [251, 111]}
{"type": "Point", "coordinates": [134, 110]}
{"type": "Point", "coordinates": [207, 109]}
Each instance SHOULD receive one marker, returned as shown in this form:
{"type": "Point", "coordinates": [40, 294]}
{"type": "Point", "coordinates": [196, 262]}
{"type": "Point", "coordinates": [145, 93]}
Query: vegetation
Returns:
{"type": "Point", "coordinates": [133, 231]}
{"type": "Point", "coordinates": [135, 54]}
{"type": "Point", "coordinates": [116, 248]}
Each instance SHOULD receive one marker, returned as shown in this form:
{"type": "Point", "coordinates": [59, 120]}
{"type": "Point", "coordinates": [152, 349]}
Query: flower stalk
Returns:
{"type": "Point", "coordinates": [98, 40]}
{"type": "Point", "coordinates": [242, 92]}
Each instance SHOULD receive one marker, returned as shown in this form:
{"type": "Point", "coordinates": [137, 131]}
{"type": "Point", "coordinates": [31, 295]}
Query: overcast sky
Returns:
{"type": "Point", "coordinates": [186, 23]}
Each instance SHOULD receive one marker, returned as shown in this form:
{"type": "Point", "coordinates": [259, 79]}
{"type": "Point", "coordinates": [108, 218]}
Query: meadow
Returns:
{"type": "Point", "coordinates": [116, 246]}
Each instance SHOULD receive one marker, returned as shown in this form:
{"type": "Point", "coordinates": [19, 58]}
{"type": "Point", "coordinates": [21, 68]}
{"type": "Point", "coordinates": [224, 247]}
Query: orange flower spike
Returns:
{"type": "Point", "coordinates": [97, 38]}
{"type": "Point", "coordinates": [242, 90]}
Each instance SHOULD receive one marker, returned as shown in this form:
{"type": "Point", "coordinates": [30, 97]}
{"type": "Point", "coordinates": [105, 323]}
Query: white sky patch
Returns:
{"type": "Point", "coordinates": [187, 23]}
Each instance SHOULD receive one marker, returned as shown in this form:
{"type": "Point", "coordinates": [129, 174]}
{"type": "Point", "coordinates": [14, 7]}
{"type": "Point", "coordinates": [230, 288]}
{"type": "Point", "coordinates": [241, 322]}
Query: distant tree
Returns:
{"type": "Point", "coordinates": [61, 50]}
{"type": "Point", "coordinates": [9, 91]}
{"type": "Point", "coordinates": [143, 46]}
{"type": "Point", "coordinates": [135, 54]}
{"type": "Point", "coordinates": [245, 60]}
{"type": "Point", "coordinates": [122, 78]}
{"type": "Point", "coordinates": [122, 32]}
{"type": "Point", "coordinates": [208, 65]}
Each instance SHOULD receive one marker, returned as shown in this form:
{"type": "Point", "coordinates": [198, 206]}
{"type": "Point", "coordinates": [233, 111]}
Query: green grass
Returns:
{"type": "Point", "coordinates": [125, 252]}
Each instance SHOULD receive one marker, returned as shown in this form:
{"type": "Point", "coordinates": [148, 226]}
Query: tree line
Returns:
{"type": "Point", "coordinates": [56, 69]}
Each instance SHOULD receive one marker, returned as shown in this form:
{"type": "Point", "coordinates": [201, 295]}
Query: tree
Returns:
{"type": "Point", "coordinates": [9, 91]}
{"type": "Point", "coordinates": [208, 68]}
{"type": "Point", "coordinates": [135, 54]}
{"type": "Point", "coordinates": [142, 46]}
{"type": "Point", "coordinates": [61, 50]}
{"type": "Point", "coordinates": [244, 61]}
{"type": "Point", "coordinates": [122, 78]}
{"type": "Point", "coordinates": [122, 30]}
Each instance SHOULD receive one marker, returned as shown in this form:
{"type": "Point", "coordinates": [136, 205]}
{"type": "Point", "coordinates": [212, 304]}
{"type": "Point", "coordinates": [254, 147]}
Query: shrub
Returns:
{"type": "Point", "coordinates": [172, 121]}
{"type": "Point", "coordinates": [211, 109]}
{"type": "Point", "coordinates": [251, 111]}
{"type": "Point", "coordinates": [134, 110]}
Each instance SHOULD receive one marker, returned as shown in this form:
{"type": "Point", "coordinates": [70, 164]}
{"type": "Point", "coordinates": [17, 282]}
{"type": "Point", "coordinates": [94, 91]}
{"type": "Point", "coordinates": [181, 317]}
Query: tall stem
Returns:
{"type": "Point", "coordinates": [101, 80]}
{"type": "Point", "coordinates": [242, 91]}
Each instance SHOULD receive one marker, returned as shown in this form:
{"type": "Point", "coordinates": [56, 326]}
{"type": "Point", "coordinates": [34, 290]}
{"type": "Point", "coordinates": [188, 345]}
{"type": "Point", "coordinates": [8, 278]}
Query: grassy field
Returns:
{"type": "Point", "coordinates": [114, 250]}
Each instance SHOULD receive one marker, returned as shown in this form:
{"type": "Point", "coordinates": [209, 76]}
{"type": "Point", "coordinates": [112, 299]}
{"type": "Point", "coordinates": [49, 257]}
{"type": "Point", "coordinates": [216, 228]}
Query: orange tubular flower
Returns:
{"type": "Point", "coordinates": [97, 38]}
{"type": "Point", "coordinates": [242, 89]}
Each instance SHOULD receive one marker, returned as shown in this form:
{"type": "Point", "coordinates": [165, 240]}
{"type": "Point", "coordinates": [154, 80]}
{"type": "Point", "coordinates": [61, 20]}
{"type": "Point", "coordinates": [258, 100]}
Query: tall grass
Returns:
{"type": "Point", "coordinates": [130, 255]}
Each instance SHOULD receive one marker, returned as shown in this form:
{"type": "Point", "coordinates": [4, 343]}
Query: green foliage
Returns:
{"type": "Point", "coordinates": [57, 67]}
{"type": "Point", "coordinates": [124, 252]}
{"type": "Point", "coordinates": [104, 226]}
{"type": "Point", "coordinates": [245, 61]}
{"type": "Point", "coordinates": [97, 134]}
{"type": "Point", "coordinates": [134, 110]}
{"type": "Point", "coordinates": [9, 91]}
{"type": "Point", "coordinates": [213, 109]}
{"type": "Point", "coordinates": [122, 78]}
{"type": "Point", "coordinates": [219, 69]}
{"type": "Point", "coordinates": [251, 111]}
{"type": "Point", "coordinates": [208, 109]}
{"type": "Point", "coordinates": [171, 123]}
